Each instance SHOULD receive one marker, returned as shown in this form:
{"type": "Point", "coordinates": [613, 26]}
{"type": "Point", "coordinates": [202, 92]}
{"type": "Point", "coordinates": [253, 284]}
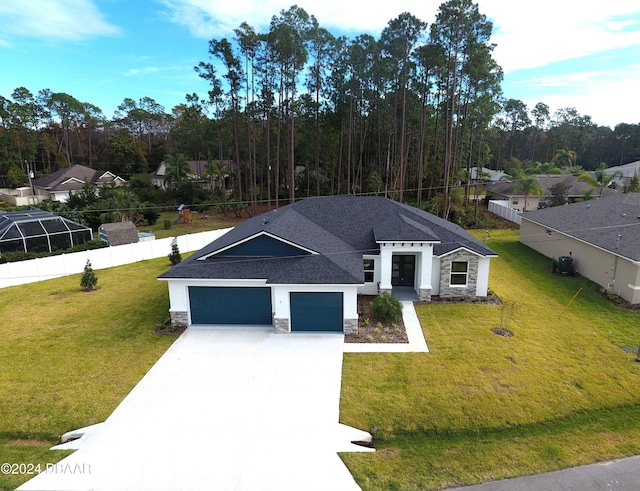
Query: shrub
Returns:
{"type": "Point", "coordinates": [174, 256]}
{"type": "Point", "coordinates": [386, 308]}
{"type": "Point", "coordinates": [167, 224]}
{"type": "Point", "coordinates": [89, 279]}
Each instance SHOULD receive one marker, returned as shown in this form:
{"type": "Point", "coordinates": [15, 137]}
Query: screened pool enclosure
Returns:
{"type": "Point", "coordinates": [35, 230]}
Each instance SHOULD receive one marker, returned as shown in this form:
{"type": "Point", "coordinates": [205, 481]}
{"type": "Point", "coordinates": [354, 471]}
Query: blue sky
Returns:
{"type": "Point", "coordinates": [565, 53]}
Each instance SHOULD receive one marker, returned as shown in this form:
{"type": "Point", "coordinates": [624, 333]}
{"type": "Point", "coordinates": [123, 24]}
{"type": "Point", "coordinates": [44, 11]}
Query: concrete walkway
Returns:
{"type": "Point", "coordinates": [617, 475]}
{"type": "Point", "coordinates": [223, 409]}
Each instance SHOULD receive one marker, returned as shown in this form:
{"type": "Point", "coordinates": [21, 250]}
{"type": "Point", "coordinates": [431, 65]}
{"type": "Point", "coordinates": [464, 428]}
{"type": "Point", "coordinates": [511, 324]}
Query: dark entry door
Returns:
{"type": "Point", "coordinates": [404, 270]}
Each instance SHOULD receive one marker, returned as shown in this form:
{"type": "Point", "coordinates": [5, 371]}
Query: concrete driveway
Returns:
{"type": "Point", "coordinates": [223, 409]}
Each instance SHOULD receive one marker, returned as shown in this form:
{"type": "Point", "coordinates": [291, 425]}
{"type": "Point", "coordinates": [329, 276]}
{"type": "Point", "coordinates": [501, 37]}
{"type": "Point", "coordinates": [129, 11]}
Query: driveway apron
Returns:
{"type": "Point", "coordinates": [223, 409]}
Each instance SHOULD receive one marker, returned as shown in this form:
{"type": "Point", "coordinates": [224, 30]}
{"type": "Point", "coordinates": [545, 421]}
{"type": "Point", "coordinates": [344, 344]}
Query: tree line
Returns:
{"type": "Point", "coordinates": [297, 111]}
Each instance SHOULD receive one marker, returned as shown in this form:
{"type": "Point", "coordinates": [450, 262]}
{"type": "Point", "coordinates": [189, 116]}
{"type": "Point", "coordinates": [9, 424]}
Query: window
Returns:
{"type": "Point", "coordinates": [459, 271]}
{"type": "Point", "coordinates": [369, 269]}
{"type": "Point", "coordinates": [515, 201]}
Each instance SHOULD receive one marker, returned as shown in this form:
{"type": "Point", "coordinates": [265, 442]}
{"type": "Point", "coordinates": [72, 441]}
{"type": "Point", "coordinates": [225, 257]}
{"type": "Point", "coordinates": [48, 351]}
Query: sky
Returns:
{"type": "Point", "coordinates": [564, 53]}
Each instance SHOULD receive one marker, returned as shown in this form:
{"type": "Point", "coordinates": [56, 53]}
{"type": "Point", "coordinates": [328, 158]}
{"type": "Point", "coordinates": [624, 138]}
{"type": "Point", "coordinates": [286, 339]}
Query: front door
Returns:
{"type": "Point", "coordinates": [404, 270]}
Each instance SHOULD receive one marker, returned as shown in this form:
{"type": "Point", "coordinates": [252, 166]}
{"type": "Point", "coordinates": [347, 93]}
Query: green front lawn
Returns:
{"type": "Point", "coordinates": [561, 392]}
{"type": "Point", "coordinates": [69, 357]}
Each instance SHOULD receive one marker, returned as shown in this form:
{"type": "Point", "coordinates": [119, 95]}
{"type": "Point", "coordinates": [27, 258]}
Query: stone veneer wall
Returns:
{"type": "Point", "coordinates": [350, 326]}
{"type": "Point", "coordinates": [281, 325]}
{"type": "Point", "coordinates": [179, 318]}
{"type": "Point", "coordinates": [425, 295]}
{"type": "Point", "coordinates": [447, 291]}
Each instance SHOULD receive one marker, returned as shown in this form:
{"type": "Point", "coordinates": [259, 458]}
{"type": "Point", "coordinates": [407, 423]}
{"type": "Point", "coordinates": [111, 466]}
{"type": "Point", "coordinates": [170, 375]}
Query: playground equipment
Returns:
{"type": "Point", "coordinates": [184, 216]}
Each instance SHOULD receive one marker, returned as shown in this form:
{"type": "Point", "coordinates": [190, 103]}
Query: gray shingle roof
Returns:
{"type": "Point", "coordinates": [546, 181]}
{"type": "Point", "coordinates": [339, 229]}
{"type": "Point", "coordinates": [611, 223]}
{"type": "Point", "coordinates": [119, 233]}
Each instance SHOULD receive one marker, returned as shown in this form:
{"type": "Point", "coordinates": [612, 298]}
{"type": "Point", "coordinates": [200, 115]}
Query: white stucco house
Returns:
{"type": "Point", "coordinates": [302, 266]}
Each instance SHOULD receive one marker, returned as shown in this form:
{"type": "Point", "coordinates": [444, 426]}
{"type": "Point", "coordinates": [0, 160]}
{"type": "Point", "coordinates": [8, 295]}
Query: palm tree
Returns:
{"type": "Point", "coordinates": [178, 169]}
{"type": "Point", "coordinates": [529, 186]}
{"type": "Point", "coordinates": [587, 194]}
{"type": "Point", "coordinates": [602, 179]}
{"type": "Point", "coordinates": [565, 158]}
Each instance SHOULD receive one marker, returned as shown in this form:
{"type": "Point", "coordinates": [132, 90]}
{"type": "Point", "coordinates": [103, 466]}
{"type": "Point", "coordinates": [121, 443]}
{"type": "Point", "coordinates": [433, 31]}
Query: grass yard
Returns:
{"type": "Point", "coordinates": [479, 407]}
{"type": "Point", "coordinates": [214, 221]}
{"type": "Point", "coordinates": [69, 357]}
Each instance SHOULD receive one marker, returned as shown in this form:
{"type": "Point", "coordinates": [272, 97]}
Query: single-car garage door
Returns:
{"type": "Point", "coordinates": [230, 305]}
{"type": "Point", "coordinates": [316, 311]}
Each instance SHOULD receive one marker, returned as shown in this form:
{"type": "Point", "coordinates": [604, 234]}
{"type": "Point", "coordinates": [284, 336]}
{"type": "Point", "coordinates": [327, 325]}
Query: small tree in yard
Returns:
{"type": "Point", "coordinates": [89, 279]}
{"type": "Point", "coordinates": [507, 310]}
{"type": "Point", "coordinates": [174, 256]}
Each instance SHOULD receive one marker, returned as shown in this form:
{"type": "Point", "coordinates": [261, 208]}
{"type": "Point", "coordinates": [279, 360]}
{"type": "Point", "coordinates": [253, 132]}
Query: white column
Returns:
{"type": "Point", "coordinates": [385, 268]}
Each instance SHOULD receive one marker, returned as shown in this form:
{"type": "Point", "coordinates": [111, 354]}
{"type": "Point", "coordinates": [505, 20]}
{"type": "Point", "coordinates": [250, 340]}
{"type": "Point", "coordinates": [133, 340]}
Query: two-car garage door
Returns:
{"type": "Point", "coordinates": [230, 305]}
{"type": "Point", "coordinates": [310, 311]}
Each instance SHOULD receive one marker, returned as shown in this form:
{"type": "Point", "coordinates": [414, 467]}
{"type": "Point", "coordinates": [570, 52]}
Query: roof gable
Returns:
{"type": "Point", "coordinates": [261, 245]}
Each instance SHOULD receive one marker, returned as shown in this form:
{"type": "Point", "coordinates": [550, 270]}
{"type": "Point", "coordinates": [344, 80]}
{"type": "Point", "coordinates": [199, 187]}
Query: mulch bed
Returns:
{"type": "Point", "coordinates": [371, 330]}
{"type": "Point", "coordinates": [500, 331]}
{"type": "Point", "coordinates": [490, 299]}
{"type": "Point", "coordinates": [616, 300]}
{"type": "Point", "coordinates": [169, 329]}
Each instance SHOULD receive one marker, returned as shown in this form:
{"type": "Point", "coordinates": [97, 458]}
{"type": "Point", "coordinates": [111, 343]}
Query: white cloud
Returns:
{"type": "Point", "coordinates": [606, 96]}
{"type": "Point", "coordinates": [218, 18]}
{"type": "Point", "coordinates": [134, 72]}
{"type": "Point", "coordinates": [54, 19]}
{"type": "Point", "coordinates": [546, 31]}
{"type": "Point", "coordinates": [527, 34]}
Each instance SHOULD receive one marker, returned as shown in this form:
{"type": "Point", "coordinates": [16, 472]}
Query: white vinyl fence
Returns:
{"type": "Point", "coordinates": [501, 208]}
{"type": "Point", "coordinates": [46, 268]}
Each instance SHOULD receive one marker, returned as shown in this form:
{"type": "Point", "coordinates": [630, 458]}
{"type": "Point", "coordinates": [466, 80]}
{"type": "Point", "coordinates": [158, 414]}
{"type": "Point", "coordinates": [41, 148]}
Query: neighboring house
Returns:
{"type": "Point", "coordinates": [302, 266]}
{"type": "Point", "coordinates": [487, 175]}
{"type": "Point", "coordinates": [34, 230]}
{"type": "Point", "coordinates": [602, 236]}
{"type": "Point", "coordinates": [118, 233]}
{"type": "Point", "coordinates": [627, 170]}
{"type": "Point", "coordinates": [197, 174]}
{"type": "Point", "coordinates": [58, 185]}
{"type": "Point", "coordinates": [508, 191]}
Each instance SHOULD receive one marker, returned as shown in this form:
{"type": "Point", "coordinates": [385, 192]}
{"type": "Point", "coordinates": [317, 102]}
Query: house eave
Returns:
{"type": "Point", "coordinates": [462, 248]}
{"type": "Point", "coordinates": [591, 244]}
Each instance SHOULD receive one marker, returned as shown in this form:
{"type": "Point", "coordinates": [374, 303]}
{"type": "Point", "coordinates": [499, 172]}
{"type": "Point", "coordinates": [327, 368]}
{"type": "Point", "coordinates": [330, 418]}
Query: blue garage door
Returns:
{"type": "Point", "coordinates": [230, 305]}
{"type": "Point", "coordinates": [316, 311]}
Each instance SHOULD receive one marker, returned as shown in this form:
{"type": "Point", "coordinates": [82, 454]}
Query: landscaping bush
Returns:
{"type": "Point", "coordinates": [174, 256]}
{"type": "Point", "coordinates": [89, 279]}
{"type": "Point", "coordinates": [387, 308]}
